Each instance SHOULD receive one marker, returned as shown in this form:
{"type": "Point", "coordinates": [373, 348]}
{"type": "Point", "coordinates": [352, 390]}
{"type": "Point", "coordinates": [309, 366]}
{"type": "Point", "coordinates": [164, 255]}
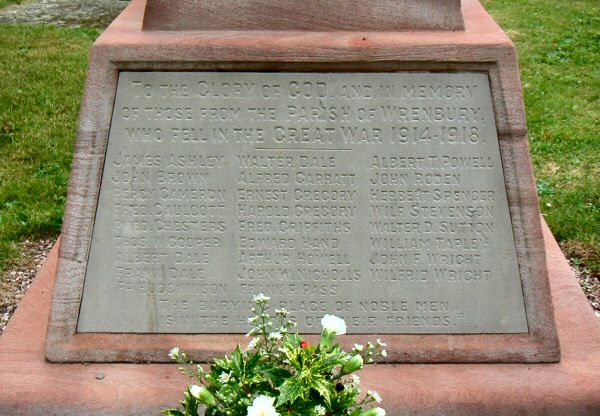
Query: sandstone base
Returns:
{"type": "Point", "coordinates": [32, 386]}
{"type": "Point", "coordinates": [125, 47]}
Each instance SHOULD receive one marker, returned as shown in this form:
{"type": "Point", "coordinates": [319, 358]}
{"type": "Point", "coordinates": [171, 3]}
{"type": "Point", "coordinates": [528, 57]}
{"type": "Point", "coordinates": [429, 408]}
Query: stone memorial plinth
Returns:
{"type": "Point", "coordinates": [371, 163]}
{"type": "Point", "coordinates": [34, 387]}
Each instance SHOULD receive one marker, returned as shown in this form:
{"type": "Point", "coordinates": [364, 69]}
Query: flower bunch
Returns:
{"type": "Point", "coordinates": [281, 374]}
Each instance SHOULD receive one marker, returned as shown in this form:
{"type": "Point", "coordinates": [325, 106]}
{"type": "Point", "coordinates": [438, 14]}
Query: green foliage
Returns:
{"type": "Point", "coordinates": [299, 378]}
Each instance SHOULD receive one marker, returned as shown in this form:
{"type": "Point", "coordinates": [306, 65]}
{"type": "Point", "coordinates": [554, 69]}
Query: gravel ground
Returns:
{"type": "Point", "coordinates": [590, 285]}
{"type": "Point", "coordinates": [69, 13]}
{"type": "Point", "coordinates": [18, 279]}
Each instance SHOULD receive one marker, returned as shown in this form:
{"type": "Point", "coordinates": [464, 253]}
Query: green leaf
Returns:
{"type": "Point", "coordinates": [290, 390]}
{"type": "Point", "coordinates": [172, 412]}
{"type": "Point", "coordinates": [294, 340]}
{"type": "Point", "coordinates": [237, 355]}
{"type": "Point", "coordinates": [252, 361]}
{"type": "Point", "coordinates": [323, 388]}
{"type": "Point", "coordinates": [237, 361]}
{"type": "Point", "coordinates": [277, 375]}
{"type": "Point", "coordinates": [191, 405]}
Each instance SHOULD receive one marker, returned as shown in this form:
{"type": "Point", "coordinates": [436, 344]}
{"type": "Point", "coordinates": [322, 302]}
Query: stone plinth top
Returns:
{"type": "Point", "coordinates": [310, 15]}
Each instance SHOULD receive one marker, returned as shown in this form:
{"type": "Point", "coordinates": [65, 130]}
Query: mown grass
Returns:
{"type": "Point", "coordinates": [559, 54]}
{"type": "Point", "coordinates": [4, 3]}
{"type": "Point", "coordinates": [42, 73]}
{"type": "Point", "coordinates": [42, 70]}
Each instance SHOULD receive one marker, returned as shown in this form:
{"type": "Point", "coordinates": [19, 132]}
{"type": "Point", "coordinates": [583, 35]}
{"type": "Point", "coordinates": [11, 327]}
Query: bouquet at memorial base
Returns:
{"type": "Point", "coordinates": [280, 374]}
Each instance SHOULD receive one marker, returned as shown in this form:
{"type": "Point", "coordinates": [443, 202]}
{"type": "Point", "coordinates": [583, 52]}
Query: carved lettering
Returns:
{"type": "Point", "coordinates": [376, 196]}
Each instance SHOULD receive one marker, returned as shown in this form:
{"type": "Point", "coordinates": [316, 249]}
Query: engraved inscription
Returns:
{"type": "Point", "coordinates": [375, 196]}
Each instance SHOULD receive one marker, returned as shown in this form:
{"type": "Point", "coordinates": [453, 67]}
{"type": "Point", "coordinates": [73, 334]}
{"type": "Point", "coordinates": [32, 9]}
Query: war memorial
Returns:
{"type": "Point", "coordinates": [370, 162]}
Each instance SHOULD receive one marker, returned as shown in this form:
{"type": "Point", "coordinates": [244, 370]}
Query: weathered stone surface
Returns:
{"type": "Point", "coordinates": [376, 196]}
{"type": "Point", "coordinates": [481, 48]}
{"type": "Point", "coordinates": [378, 15]}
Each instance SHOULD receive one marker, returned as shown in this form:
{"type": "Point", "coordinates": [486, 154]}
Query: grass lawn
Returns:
{"type": "Point", "coordinates": [42, 71]}
{"type": "Point", "coordinates": [559, 54]}
{"type": "Point", "coordinates": [4, 3]}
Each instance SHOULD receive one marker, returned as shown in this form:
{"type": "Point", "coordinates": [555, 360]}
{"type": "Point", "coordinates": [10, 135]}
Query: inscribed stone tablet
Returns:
{"type": "Point", "coordinates": [375, 196]}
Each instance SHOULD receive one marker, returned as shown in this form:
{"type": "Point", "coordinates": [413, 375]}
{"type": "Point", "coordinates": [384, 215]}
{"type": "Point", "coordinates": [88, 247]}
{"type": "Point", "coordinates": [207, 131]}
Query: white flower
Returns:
{"type": "Point", "coordinates": [358, 347]}
{"type": "Point", "coordinates": [381, 343]}
{"type": "Point", "coordinates": [196, 390]}
{"type": "Point", "coordinates": [174, 353]}
{"type": "Point", "coordinates": [320, 410]}
{"type": "Point", "coordinates": [261, 298]}
{"type": "Point", "coordinates": [376, 411]}
{"type": "Point", "coordinates": [224, 377]}
{"type": "Point", "coordinates": [334, 324]}
{"type": "Point", "coordinates": [252, 343]}
{"type": "Point", "coordinates": [262, 406]}
{"type": "Point", "coordinates": [275, 335]}
{"type": "Point", "coordinates": [355, 379]}
{"type": "Point", "coordinates": [374, 395]}
{"type": "Point", "coordinates": [201, 393]}
{"type": "Point", "coordinates": [252, 319]}
{"type": "Point", "coordinates": [383, 353]}
{"type": "Point", "coordinates": [252, 332]}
